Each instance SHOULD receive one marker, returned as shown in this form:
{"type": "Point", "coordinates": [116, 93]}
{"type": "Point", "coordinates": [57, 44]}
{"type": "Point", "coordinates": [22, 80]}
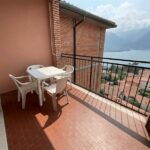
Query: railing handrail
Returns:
{"type": "Point", "coordinates": [127, 60]}
{"type": "Point", "coordinates": [109, 79]}
{"type": "Point", "coordinates": [82, 57]}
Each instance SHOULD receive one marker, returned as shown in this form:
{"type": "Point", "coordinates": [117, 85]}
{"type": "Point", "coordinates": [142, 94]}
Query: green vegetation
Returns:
{"type": "Point", "coordinates": [103, 81]}
{"type": "Point", "coordinates": [116, 81]}
{"type": "Point", "coordinates": [114, 68]}
{"type": "Point", "coordinates": [124, 69]}
{"type": "Point", "coordinates": [102, 93]}
{"type": "Point", "coordinates": [122, 75]}
{"type": "Point", "coordinates": [131, 69]}
{"type": "Point", "coordinates": [108, 78]}
{"type": "Point", "coordinates": [145, 93]}
{"type": "Point", "coordinates": [133, 101]}
{"type": "Point", "coordinates": [116, 73]}
{"type": "Point", "coordinates": [122, 96]}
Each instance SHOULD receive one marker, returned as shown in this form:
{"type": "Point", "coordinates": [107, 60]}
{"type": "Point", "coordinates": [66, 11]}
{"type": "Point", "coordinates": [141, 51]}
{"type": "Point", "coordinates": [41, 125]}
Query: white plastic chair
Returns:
{"type": "Point", "coordinates": [54, 89]}
{"type": "Point", "coordinates": [34, 67]}
{"type": "Point", "coordinates": [69, 70]}
{"type": "Point", "coordinates": [24, 87]}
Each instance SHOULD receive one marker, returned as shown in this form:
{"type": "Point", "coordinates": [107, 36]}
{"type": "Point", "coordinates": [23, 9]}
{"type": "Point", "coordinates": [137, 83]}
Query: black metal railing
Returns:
{"type": "Point", "coordinates": [126, 82]}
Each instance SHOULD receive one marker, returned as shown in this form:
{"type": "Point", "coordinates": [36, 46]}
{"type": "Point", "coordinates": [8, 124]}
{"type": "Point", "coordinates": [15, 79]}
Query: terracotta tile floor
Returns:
{"type": "Point", "coordinates": [87, 122]}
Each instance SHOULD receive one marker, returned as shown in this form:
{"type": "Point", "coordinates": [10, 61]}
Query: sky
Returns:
{"type": "Point", "coordinates": [127, 14]}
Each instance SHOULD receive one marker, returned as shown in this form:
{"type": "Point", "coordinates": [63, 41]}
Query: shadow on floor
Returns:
{"type": "Point", "coordinates": [22, 127]}
{"type": "Point", "coordinates": [108, 118]}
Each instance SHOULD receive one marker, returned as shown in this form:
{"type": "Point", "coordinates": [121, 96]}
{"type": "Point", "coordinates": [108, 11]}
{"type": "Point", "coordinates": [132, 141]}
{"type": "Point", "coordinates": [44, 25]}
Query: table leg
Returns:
{"type": "Point", "coordinates": [40, 93]}
{"type": "Point", "coordinates": [54, 102]}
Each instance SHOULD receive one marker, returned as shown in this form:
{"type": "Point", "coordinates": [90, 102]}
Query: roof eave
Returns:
{"type": "Point", "coordinates": [107, 23]}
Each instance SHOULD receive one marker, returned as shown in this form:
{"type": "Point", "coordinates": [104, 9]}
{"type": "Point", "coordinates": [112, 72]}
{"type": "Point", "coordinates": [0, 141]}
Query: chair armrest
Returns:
{"type": "Point", "coordinates": [25, 76]}
{"type": "Point", "coordinates": [25, 83]}
{"type": "Point", "coordinates": [44, 84]}
{"type": "Point", "coordinates": [21, 77]}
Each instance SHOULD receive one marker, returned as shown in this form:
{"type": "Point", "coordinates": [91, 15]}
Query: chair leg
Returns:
{"type": "Point", "coordinates": [70, 83]}
{"type": "Point", "coordinates": [32, 91]}
{"type": "Point", "coordinates": [23, 100]}
{"type": "Point", "coordinates": [43, 96]}
{"type": "Point", "coordinates": [19, 96]}
{"type": "Point", "coordinates": [36, 91]}
{"type": "Point", "coordinates": [66, 94]}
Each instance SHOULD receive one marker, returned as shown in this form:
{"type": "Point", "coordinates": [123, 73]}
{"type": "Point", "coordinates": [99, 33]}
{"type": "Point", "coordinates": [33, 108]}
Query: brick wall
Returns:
{"type": "Point", "coordinates": [89, 41]}
{"type": "Point", "coordinates": [89, 37]}
{"type": "Point", "coordinates": [55, 31]}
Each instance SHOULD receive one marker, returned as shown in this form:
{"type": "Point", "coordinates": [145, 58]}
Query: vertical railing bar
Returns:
{"type": "Point", "coordinates": [79, 72]}
{"type": "Point", "coordinates": [114, 81]}
{"type": "Point", "coordinates": [144, 92]}
{"type": "Point", "coordinates": [84, 72]}
{"type": "Point", "coordinates": [91, 73]}
{"type": "Point", "coordinates": [110, 81]}
{"type": "Point", "coordinates": [125, 81]}
{"type": "Point", "coordinates": [92, 76]}
{"type": "Point", "coordinates": [101, 77]}
{"type": "Point", "coordinates": [147, 106]}
{"type": "Point", "coordinates": [105, 78]}
{"type": "Point", "coordinates": [119, 83]}
{"type": "Point", "coordinates": [102, 73]}
{"type": "Point", "coordinates": [94, 65]}
{"type": "Point", "coordinates": [87, 79]}
{"type": "Point", "coordinates": [138, 87]}
{"type": "Point", "coordinates": [97, 80]}
{"type": "Point", "coordinates": [131, 87]}
{"type": "Point", "coordinates": [74, 64]}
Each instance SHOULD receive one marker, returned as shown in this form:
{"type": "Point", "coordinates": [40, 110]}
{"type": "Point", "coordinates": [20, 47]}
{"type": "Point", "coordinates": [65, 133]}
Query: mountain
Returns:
{"type": "Point", "coordinates": [135, 39]}
{"type": "Point", "coordinates": [143, 42]}
{"type": "Point", "coordinates": [113, 41]}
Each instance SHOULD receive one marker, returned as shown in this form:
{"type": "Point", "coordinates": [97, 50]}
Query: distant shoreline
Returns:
{"type": "Point", "coordinates": [126, 50]}
{"type": "Point", "coordinates": [137, 55]}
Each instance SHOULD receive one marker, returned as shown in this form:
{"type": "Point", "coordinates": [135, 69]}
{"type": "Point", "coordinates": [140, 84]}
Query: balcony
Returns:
{"type": "Point", "coordinates": [87, 122]}
{"type": "Point", "coordinates": [100, 113]}
{"type": "Point", "coordinates": [92, 119]}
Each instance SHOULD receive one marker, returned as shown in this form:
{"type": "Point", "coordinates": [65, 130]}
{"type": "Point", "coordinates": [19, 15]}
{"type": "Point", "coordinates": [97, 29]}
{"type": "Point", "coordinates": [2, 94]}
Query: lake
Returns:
{"type": "Point", "coordinates": [140, 55]}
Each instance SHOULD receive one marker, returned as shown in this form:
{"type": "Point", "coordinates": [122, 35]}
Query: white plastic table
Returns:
{"type": "Point", "coordinates": [43, 74]}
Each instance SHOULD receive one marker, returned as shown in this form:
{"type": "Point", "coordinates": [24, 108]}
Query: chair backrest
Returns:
{"type": "Point", "coordinates": [35, 67]}
{"type": "Point", "coordinates": [17, 83]}
{"type": "Point", "coordinates": [61, 85]}
{"type": "Point", "coordinates": [69, 69]}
